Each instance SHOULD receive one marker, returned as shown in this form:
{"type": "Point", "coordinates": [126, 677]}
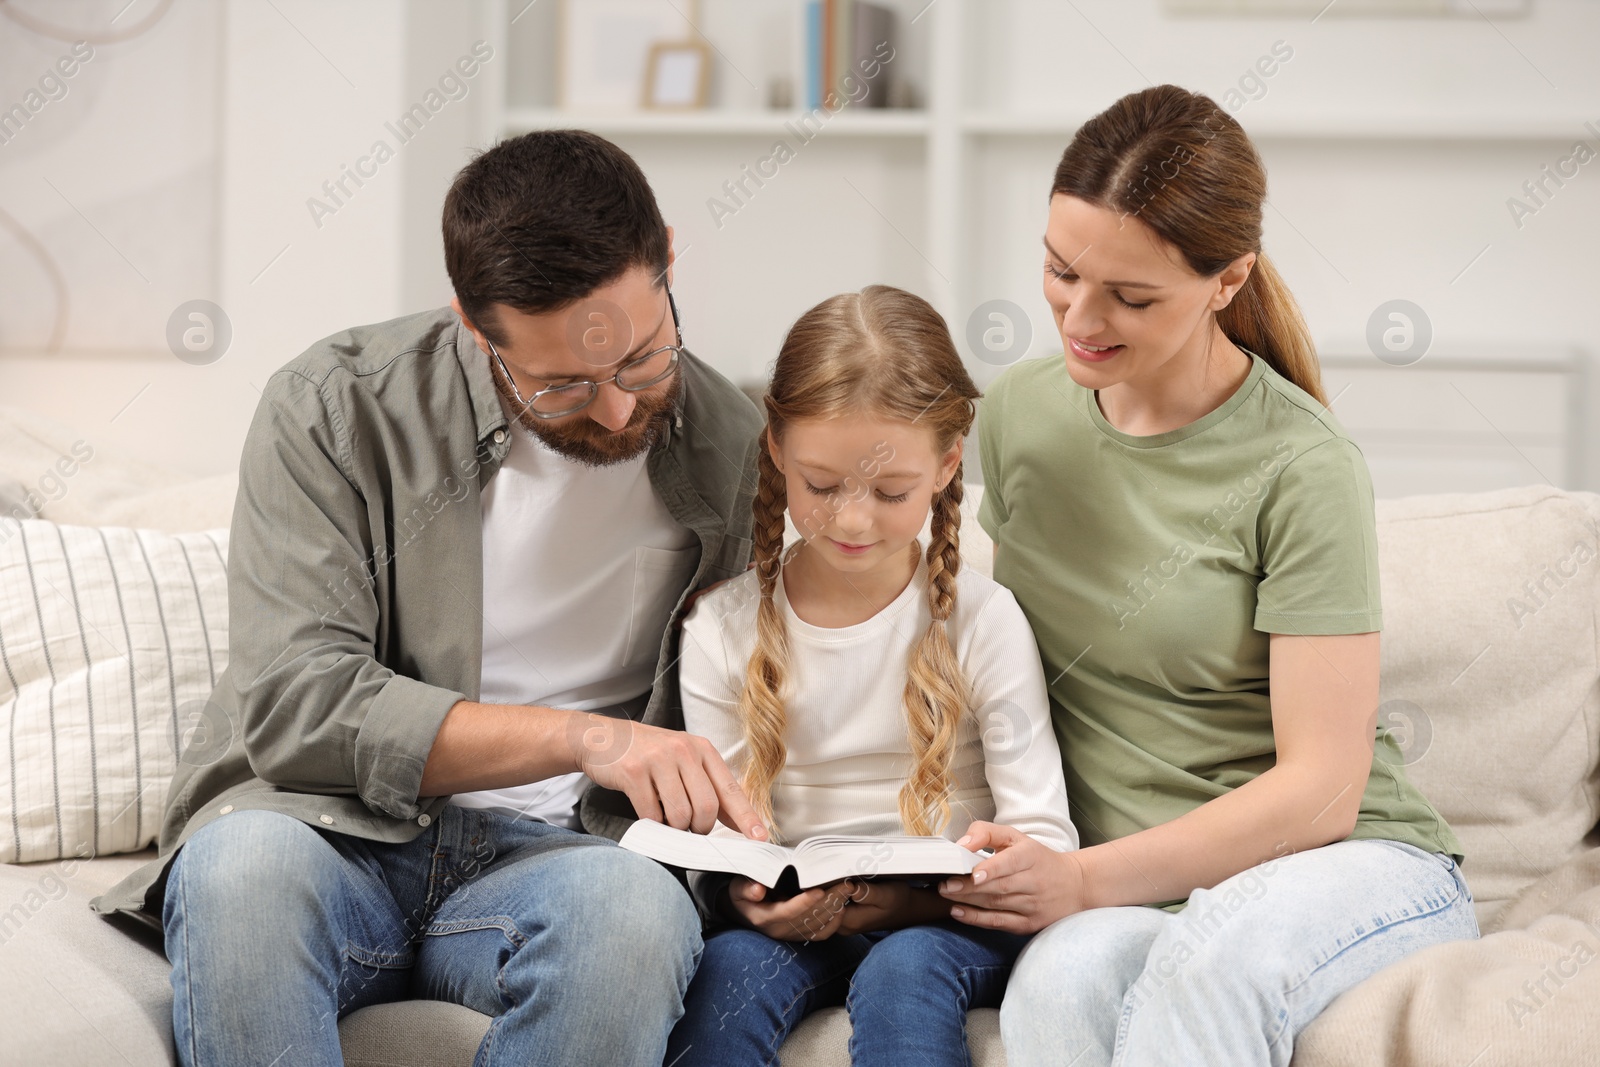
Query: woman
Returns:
{"type": "Point", "coordinates": [1191, 535]}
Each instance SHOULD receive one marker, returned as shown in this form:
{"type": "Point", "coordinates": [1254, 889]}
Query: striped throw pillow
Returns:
{"type": "Point", "coordinates": [111, 642]}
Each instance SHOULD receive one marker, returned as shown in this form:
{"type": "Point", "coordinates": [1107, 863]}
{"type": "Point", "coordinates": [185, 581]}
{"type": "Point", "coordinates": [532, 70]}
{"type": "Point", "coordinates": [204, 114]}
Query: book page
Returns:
{"type": "Point", "coordinates": [820, 860]}
{"type": "Point", "coordinates": [760, 860]}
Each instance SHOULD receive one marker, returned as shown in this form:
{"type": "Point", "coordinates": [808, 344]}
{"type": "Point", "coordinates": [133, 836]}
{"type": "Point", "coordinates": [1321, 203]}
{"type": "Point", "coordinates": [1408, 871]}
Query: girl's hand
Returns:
{"type": "Point", "coordinates": [814, 915]}
{"type": "Point", "coordinates": [889, 905]}
{"type": "Point", "coordinates": [1024, 887]}
{"type": "Point", "coordinates": [872, 906]}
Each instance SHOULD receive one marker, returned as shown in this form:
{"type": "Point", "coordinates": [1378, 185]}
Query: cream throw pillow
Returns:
{"type": "Point", "coordinates": [111, 641]}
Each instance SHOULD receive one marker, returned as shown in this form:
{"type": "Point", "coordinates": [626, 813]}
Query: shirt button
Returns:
{"type": "Point", "coordinates": [327, 819]}
{"type": "Point", "coordinates": [423, 820]}
{"type": "Point", "coordinates": [224, 809]}
{"type": "Point", "coordinates": [499, 436]}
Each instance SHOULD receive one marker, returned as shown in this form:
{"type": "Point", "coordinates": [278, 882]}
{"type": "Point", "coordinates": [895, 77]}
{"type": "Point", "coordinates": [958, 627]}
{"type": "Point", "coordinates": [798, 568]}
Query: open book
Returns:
{"type": "Point", "coordinates": [814, 861]}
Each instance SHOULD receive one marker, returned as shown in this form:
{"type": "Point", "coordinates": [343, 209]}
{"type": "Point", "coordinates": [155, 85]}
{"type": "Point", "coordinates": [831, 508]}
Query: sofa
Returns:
{"type": "Point", "coordinates": [1489, 682]}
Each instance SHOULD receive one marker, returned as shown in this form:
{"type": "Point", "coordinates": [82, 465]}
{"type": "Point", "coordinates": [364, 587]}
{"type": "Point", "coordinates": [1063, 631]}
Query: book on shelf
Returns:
{"type": "Point", "coordinates": [811, 57]}
{"type": "Point", "coordinates": [845, 49]}
{"type": "Point", "coordinates": [812, 862]}
{"type": "Point", "coordinates": [872, 39]}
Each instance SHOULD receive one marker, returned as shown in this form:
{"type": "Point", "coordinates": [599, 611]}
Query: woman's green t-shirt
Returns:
{"type": "Point", "coordinates": [1153, 570]}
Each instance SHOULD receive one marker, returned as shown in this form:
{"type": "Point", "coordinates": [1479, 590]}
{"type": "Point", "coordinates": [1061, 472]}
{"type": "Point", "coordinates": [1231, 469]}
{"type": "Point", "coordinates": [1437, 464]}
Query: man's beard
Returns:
{"type": "Point", "coordinates": [585, 441]}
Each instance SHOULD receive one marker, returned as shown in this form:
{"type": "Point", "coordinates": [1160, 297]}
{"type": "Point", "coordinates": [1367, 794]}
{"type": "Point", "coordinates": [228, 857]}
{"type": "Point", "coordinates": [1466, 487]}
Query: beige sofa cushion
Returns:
{"type": "Point", "coordinates": [423, 1033]}
{"type": "Point", "coordinates": [1490, 665]}
{"type": "Point", "coordinates": [79, 990]}
{"type": "Point", "coordinates": [67, 479]}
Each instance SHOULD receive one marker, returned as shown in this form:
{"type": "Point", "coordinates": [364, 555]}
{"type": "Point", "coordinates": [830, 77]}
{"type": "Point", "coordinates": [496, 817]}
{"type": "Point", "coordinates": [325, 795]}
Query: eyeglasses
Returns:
{"type": "Point", "coordinates": [557, 401]}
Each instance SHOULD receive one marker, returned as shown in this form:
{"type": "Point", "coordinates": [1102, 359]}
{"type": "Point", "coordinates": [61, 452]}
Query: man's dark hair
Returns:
{"type": "Point", "coordinates": [542, 220]}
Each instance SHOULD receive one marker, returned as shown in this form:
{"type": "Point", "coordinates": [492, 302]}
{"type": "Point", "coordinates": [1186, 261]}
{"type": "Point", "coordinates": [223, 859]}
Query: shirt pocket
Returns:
{"type": "Point", "coordinates": [660, 577]}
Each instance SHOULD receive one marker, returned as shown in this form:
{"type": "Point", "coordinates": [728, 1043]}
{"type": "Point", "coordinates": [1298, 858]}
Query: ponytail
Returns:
{"type": "Point", "coordinates": [1264, 317]}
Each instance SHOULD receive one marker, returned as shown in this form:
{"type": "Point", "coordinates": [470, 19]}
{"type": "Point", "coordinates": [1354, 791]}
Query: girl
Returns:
{"type": "Point", "coordinates": [1191, 534]}
{"type": "Point", "coordinates": [861, 686]}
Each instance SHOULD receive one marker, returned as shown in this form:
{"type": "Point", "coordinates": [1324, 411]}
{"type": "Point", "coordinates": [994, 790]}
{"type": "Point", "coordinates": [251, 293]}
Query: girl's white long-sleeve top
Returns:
{"type": "Point", "coordinates": [848, 752]}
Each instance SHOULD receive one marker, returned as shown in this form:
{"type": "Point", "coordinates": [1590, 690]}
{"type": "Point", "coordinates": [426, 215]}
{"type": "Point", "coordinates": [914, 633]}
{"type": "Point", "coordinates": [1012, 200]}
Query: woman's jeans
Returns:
{"type": "Point", "coordinates": [907, 993]}
{"type": "Point", "coordinates": [1240, 971]}
{"type": "Point", "coordinates": [579, 950]}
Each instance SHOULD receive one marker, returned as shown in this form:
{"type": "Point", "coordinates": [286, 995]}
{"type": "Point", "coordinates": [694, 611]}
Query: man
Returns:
{"type": "Point", "coordinates": [462, 543]}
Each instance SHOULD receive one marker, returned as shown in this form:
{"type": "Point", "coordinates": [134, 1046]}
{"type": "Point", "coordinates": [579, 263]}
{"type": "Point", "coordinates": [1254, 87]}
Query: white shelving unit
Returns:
{"type": "Point", "coordinates": [961, 179]}
{"type": "Point", "coordinates": [716, 123]}
{"type": "Point", "coordinates": [938, 125]}
{"type": "Point", "coordinates": [951, 127]}
{"type": "Point", "coordinates": [1390, 126]}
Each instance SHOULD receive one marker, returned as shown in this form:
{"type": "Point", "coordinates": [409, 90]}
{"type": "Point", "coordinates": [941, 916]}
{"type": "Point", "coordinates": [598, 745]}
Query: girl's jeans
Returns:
{"type": "Point", "coordinates": [907, 993]}
{"type": "Point", "coordinates": [1241, 970]}
{"type": "Point", "coordinates": [579, 950]}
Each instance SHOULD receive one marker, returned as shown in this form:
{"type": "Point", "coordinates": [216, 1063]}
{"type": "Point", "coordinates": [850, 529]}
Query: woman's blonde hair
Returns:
{"type": "Point", "coordinates": [881, 353]}
{"type": "Point", "coordinates": [1184, 167]}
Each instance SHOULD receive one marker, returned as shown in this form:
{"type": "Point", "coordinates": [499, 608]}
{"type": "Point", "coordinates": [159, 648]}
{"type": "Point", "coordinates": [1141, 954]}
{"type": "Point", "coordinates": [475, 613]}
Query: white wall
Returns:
{"type": "Point", "coordinates": [294, 110]}
{"type": "Point", "coordinates": [1354, 221]}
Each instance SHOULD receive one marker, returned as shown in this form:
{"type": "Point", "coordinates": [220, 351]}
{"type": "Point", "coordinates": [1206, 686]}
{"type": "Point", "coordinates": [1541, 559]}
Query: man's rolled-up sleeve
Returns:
{"type": "Point", "coordinates": [319, 712]}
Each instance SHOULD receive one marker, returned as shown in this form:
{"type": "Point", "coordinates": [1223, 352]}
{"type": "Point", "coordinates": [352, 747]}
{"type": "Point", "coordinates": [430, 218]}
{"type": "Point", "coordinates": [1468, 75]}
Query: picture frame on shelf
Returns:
{"type": "Point", "coordinates": [604, 49]}
{"type": "Point", "coordinates": [677, 76]}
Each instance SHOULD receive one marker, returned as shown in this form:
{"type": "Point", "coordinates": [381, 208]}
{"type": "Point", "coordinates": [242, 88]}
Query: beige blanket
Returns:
{"type": "Point", "coordinates": [1527, 992]}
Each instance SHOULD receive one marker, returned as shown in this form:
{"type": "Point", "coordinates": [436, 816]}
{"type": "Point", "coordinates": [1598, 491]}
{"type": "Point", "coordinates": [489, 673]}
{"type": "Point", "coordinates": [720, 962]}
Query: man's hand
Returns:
{"type": "Point", "coordinates": [814, 915]}
{"type": "Point", "coordinates": [1024, 887]}
{"type": "Point", "coordinates": [670, 776]}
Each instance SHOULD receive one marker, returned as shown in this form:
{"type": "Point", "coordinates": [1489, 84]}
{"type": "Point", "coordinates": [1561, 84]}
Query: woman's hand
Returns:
{"type": "Point", "coordinates": [814, 915]}
{"type": "Point", "coordinates": [1024, 887]}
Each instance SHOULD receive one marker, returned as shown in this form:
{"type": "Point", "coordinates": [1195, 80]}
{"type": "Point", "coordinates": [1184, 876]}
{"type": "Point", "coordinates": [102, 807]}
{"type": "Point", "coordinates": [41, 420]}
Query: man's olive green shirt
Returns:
{"type": "Point", "coordinates": [355, 582]}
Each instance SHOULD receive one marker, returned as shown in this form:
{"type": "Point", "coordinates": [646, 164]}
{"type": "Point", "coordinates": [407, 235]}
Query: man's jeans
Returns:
{"type": "Point", "coordinates": [1240, 971]}
{"type": "Point", "coordinates": [581, 951]}
{"type": "Point", "coordinates": [907, 993]}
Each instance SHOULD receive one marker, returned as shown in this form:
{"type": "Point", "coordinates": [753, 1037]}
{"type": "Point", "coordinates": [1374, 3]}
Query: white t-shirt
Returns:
{"type": "Point", "coordinates": [582, 567]}
{"type": "Point", "coordinates": [848, 753]}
